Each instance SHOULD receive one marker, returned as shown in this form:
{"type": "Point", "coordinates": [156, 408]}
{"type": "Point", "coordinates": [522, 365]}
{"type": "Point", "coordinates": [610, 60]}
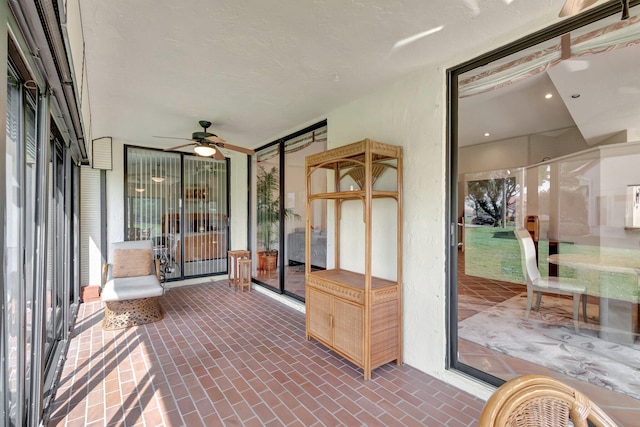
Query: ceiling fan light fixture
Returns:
{"type": "Point", "coordinates": [204, 150]}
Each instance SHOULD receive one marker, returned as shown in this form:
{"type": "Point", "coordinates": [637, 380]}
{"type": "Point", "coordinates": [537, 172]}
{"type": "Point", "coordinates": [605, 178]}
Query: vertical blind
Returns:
{"type": "Point", "coordinates": [179, 202]}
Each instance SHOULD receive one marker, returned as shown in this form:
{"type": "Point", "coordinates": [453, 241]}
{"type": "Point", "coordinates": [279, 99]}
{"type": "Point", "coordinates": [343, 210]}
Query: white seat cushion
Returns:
{"type": "Point", "coordinates": [560, 285]}
{"type": "Point", "coordinates": [125, 288]}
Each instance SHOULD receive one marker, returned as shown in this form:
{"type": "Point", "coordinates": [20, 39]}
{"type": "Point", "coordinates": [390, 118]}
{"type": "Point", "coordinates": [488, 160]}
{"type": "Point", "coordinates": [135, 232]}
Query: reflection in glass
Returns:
{"type": "Point", "coordinates": [575, 162]}
{"type": "Point", "coordinates": [270, 224]}
{"type": "Point", "coordinates": [268, 216]}
{"type": "Point", "coordinates": [295, 204]}
{"type": "Point", "coordinates": [14, 297]}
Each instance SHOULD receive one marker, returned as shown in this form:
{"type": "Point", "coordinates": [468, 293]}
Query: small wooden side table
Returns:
{"type": "Point", "coordinates": [233, 265]}
{"type": "Point", "coordinates": [244, 268]}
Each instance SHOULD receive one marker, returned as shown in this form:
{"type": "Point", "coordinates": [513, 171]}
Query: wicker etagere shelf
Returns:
{"type": "Point", "coordinates": [355, 314]}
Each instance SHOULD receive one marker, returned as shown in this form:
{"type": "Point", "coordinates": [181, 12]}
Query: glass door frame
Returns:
{"type": "Point", "coordinates": [183, 155]}
{"type": "Point", "coordinates": [281, 226]}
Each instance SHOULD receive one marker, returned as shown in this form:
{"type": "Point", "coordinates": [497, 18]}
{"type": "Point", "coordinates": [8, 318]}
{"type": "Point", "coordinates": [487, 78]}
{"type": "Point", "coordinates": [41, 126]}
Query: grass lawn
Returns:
{"type": "Point", "coordinates": [494, 253]}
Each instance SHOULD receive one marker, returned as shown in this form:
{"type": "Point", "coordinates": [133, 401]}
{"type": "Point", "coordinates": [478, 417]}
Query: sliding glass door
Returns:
{"type": "Point", "coordinates": [37, 284]}
{"type": "Point", "coordinates": [546, 154]}
{"type": "Point", "coordinates": [56, 267]}
{"type": "Point", "coordinates": [181, 203]}
{"type": "Point", "coordinates": [152, 191]}
{"type": "Point", "coordinates": [295, 205]}
{"type": "Point", "coordinates": [280, 210]}
{"type": "Point", "coordinates": [15, 345]}
{"type": "Point", "coordinates": [268, 216]}
{"type": "Point", "coordinates": [203, 243]}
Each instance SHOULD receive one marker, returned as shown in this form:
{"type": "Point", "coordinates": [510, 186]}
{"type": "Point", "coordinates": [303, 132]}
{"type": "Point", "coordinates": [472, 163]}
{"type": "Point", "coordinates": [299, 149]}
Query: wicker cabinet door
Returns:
{"type": "Point", "coordinates": [348, 329]}
{"type": "Point", "coordinates": [319, 306]}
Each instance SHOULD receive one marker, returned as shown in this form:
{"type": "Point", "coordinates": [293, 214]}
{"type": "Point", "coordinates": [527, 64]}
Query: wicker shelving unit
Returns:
{"type": "Point", "coordinates": [355, 314]}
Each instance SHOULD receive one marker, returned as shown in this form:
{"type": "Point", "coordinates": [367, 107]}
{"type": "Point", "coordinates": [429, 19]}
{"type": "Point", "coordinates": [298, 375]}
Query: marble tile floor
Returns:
{"type": "Point", "coordinates": [624, 409]}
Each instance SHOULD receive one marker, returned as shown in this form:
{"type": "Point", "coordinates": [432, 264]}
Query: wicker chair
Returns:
{"type": "Point", "coordinates": [131, 285]}
{"type": "Point", "coordinates": [540, 401]}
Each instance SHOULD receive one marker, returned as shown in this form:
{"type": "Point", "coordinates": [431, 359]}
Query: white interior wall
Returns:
{"type": "Point", "coordinates": [495, 155]}
{"type": "Point", "coordinates": [239, 199]}
{"type": "Point", "coordinates": [519, 152]}
{"type": "Point", "coordinates": [569, 141]}
{"type": "Point", "coordinates": [514, 153]}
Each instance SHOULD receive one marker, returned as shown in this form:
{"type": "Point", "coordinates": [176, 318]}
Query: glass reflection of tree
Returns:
{"type": "Point", "coordinates": [494, 197]}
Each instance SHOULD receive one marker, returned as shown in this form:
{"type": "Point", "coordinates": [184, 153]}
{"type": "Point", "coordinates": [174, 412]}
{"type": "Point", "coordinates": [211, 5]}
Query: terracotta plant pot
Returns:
{"type": "Point", "coordinates": [267, 261]}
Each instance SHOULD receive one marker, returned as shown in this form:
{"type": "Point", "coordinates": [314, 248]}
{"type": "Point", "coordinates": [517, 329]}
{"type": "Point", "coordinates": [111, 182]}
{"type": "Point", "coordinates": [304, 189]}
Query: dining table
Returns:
{"type": "Point", "coordinates": [614, 279]}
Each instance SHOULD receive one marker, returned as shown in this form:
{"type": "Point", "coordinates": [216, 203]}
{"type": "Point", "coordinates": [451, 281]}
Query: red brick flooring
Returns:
{"type": "Point", "coordinates": [225, 358]}
{"type": "Point", "coordinates": [221, 357]}
{"type": "Point", "coordinates": [294, 279]}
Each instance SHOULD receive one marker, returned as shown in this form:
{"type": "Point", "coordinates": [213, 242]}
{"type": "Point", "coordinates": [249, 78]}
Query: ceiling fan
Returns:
{"type": "Point", "coordinates": [572, 7]}
{"type": "Point", "coordinates": [207, 144]}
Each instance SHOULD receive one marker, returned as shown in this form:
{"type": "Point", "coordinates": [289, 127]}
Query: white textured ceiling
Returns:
{"type": "Point", "coordinates": [256, 68]}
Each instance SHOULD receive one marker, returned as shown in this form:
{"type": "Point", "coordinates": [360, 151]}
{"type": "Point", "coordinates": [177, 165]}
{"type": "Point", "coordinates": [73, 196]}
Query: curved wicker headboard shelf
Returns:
{"type": "Point", "coordinates": [358, 175]}
{"type": "Point", "coordinates": [330, 163]}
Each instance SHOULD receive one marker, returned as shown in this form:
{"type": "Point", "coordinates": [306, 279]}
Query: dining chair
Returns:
{"type": "Point", "coordinates": [541, 401]}
{"type": "Point", "coordinates": [556, 285]}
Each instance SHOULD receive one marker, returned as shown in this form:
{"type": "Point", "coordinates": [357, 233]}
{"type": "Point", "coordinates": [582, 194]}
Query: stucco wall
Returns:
{"type": "Point", "coordinates": [411, 113]}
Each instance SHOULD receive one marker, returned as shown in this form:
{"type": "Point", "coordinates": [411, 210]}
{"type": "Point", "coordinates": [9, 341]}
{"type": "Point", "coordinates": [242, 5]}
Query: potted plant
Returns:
{"type": "Point", "coordinates": [268, 217]}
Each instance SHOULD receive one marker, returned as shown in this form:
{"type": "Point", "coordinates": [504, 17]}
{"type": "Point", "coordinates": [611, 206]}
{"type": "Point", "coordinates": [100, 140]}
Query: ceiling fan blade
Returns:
{"type": "Point", "coordinates": [214, 138]}
{"type": "Point", "coordinates": [172, 137]}
{"type": "Point", "coordinates": [572, 7]}
{"type": "Point", "coordinates": [218, 155]}
{"type": "Point", "coordinates": [180, 146]}
{"type": "Point", "coordinates": [234, 148]}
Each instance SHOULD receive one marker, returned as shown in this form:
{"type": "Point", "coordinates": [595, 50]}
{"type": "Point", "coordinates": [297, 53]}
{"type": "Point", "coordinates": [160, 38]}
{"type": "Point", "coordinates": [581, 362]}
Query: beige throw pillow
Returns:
{"type": "Point", "coordinates": [131, 262]}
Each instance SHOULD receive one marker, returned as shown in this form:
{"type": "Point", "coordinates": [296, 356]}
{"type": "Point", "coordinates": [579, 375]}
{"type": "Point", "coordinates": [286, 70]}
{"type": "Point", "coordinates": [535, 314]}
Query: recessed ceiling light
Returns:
{"type": "Point", "coordinates": [549, 96]}
{"type": "Point", "coordinates": [575, 95]}
{"type": "Point", "coordinates": [487, 134]}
